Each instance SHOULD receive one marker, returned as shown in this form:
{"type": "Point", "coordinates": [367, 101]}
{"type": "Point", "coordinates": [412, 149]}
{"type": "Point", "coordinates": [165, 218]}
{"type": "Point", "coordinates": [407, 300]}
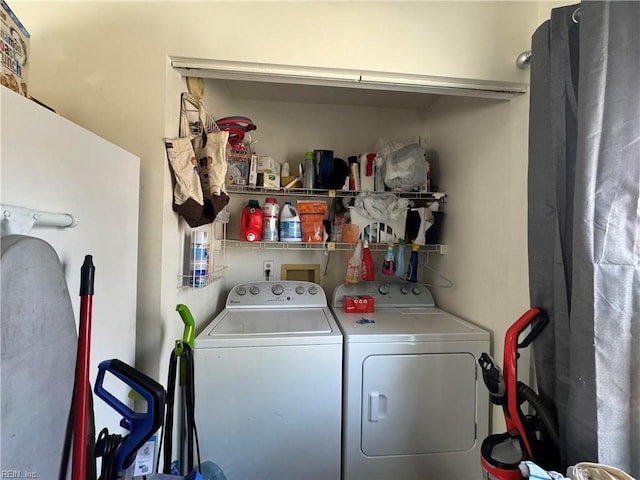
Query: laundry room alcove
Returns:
{"type": "Point", "coordinates": [475, 133]}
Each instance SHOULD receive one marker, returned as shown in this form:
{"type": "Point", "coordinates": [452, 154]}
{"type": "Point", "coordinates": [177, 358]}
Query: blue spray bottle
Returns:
{"type": "Point", "coordinates": [400, 259]}
{"type": "Point", "coordinates": [413, 263]}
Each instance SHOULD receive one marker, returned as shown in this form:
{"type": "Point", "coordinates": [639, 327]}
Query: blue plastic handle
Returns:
{"type": "Point", "coordinates": [141, 426]}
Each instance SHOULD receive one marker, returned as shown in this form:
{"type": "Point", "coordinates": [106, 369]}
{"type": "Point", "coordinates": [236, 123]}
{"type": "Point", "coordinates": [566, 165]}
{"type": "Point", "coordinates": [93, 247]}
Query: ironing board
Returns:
{"type": "Point", "coordinates": [38, 355]}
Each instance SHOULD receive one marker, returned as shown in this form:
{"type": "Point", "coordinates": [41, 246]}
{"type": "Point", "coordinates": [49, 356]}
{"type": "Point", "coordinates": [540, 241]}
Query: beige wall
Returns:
{"type": "Point", "coordinates": [104, 65]}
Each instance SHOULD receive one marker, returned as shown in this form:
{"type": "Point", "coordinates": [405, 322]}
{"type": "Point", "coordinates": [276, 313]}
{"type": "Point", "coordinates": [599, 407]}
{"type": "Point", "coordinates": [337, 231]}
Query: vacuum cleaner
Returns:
{"type": "Point", "coordinates": [118, 452]}
{"type": "Point", "coordinates": [532, 433]}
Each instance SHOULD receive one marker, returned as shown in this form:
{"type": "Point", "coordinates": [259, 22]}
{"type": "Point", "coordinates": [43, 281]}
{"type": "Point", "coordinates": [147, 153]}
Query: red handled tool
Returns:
{"type": "Point", "coordinates": [82, 388]}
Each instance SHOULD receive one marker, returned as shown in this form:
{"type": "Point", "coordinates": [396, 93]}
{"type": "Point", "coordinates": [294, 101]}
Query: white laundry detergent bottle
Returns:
{"type": "Point", "coordinates": [270, 214]}
{"type": "Point", "coordinates": [289, 224]}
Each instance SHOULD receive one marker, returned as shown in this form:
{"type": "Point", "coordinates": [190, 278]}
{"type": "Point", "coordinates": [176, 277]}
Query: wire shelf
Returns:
{"type": "Point", "coordinates": [328, 247]}
{"type": "Point", "coordinates": [320, 192]}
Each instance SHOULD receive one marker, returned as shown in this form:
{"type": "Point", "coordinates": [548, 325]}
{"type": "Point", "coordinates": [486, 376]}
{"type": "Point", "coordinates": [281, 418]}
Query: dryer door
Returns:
{"type": "Point", "coordinates": [418, 404]}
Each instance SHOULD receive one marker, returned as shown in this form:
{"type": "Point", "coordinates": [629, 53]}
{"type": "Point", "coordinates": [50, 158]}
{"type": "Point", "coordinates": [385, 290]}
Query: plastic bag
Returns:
{"type": "Point", "coordinates": [406, 168]}
{"type": "Point", "coordinates": [311, 216]}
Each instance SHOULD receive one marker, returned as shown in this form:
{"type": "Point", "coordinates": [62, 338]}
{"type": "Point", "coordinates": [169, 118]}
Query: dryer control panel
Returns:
{"type": "Point", "coordinates": [386, 294]}
{"type": "Point", "coordinates": [282, 294]}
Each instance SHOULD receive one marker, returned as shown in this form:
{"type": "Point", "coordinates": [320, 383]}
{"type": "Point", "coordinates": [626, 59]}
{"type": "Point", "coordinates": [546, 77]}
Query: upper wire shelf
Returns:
{"type": "Point", "coordinates": [320, 192]}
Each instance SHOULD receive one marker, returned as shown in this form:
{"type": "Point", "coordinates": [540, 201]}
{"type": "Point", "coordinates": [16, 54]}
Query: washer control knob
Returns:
{"type": "Point", "coordinates": [299, 289]}
{"type": "Point", "coordinates": [241, 291]}
{"type": "Point", "coordinates": [404, 290]}
{"type": "Point", "coordinates": [277, 289]}
{"type": "Point", "coordinates": [383, 288]}
{"type": "Point", "coordinates": [254, 290]}
{"type": "Point", "coordinates": [417, 290]}
{"type": "Point", "coordinates": [313, 290]}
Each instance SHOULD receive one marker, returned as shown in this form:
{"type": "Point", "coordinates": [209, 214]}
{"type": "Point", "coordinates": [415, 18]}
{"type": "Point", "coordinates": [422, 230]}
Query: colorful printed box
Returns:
{"type": "Point", "coordinates": [14, 48]}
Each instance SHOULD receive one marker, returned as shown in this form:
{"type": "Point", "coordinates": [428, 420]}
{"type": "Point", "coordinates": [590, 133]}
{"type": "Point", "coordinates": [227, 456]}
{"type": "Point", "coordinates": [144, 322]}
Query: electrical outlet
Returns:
{"type": "Point", "coordinates": [267, 265]}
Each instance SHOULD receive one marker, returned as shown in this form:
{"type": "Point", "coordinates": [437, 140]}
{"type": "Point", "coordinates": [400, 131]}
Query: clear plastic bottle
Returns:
{"type": "Point", "coordinates": [378, 180]}
{"type": "Point", "coordinates": [400, 259]}
{"type": "Point", "coordinates": [389, 262]}
{"type": "Point", "coordinates": [354, 265]}
{"type": "Point", "coordinates": [368, 272]}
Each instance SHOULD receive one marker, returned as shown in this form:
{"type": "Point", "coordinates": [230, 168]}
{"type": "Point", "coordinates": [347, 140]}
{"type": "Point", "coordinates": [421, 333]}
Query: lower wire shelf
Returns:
{"type": "Point", "coordinates": [201, 281]}
{"type": "Point", "coordinates": [329, 246]}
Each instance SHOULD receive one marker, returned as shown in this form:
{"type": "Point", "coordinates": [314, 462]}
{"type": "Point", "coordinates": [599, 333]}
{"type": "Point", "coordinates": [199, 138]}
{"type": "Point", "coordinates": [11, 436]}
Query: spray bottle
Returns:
{"type": "Point", "coordinates": [400, 259]}
{"type": "Point", "coordinates": [368, 272]}
{"type": "Point", "coordinates": [354, 265]}
{"type": "Point", "coordinates": [413, 263]}
{"type": "Point", "coordinates": [389, 262]}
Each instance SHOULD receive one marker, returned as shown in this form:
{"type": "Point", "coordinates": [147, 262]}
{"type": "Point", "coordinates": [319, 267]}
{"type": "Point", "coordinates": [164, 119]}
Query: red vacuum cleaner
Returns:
{"type": "Point", "coordinates": [531, 432]}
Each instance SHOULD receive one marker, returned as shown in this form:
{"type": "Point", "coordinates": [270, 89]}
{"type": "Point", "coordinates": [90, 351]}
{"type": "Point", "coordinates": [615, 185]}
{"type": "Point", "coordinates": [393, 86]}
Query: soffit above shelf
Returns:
{"type": "Point", "coordinates": [265, 81]}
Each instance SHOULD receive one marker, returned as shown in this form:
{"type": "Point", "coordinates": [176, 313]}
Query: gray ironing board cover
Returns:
{"type": "Point", "coordinates": [38, 356]}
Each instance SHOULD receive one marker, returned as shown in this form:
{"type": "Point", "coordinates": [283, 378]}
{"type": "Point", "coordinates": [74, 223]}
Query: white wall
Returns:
{"type": "Point", "coordinates": [49, 164]}
{"type": "Point", "coordinates": [482, 149]}
{"type": "Point", "coordinates": [104, 65]}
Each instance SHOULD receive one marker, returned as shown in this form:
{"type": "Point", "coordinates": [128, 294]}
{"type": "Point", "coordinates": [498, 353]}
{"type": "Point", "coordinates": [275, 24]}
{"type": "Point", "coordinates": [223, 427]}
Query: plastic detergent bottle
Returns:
{"type": "Point", "coordinates": [289, 224]}
{"type": "Point", "coordinates": [400, 259]}
{"type": "Point", "coordinates": [389, 263]}
{"type": "Point", "coordinates": [354, 265]}
{"type": "Point", "coordinates": [251, 222]}
{"type": "Point", "coordinates": [270, 218]}
{"type": "Point", "coordinates": [368, 272]}
{"type": "Point", "coordinates": [413, 263]}
{"type": "Point", "coordinates": [198, 260]}
{"type": "Point", "coordinates": [309, 170]}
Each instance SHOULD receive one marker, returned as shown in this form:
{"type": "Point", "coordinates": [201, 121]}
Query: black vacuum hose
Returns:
{"type": "Point", "coordinates": [542, 410]}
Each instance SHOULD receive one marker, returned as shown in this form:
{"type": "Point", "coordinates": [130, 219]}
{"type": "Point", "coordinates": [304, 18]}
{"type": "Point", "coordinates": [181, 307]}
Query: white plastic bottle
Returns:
{"type": "Point", "coordinates": [270, 214]}
{"type": "Point", "coordinates": [289, 224]}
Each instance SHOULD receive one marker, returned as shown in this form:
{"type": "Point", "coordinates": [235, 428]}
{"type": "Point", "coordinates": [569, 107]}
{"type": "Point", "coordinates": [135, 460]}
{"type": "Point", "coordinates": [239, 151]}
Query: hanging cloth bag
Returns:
{"type": "Point", "coordinates": [198, 160]}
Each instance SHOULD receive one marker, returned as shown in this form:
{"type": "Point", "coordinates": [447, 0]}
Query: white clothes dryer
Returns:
{"type": "Point", "coordinates": [414, 403]}
{"type": "Point", "coordinates": [269, 385]}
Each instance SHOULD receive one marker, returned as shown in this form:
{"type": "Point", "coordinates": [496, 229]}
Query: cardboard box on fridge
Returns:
{"type": "Point", "coordinates": [14, 51]}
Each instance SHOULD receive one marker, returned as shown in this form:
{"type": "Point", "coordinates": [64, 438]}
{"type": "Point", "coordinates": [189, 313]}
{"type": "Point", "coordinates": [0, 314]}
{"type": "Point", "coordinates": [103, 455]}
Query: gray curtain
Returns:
{"type": "Point", "coordinates": [584, 227]}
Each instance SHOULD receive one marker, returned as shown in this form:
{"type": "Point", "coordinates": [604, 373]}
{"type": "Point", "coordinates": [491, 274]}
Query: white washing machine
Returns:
{"type": "Point", "coordinates": [414, 402]}
{"type": "Point", "coordinates": [269, 385]}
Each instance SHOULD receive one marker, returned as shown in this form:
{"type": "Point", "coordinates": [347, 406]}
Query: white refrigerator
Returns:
{"type": "Point", "coordinates": [48, 164]}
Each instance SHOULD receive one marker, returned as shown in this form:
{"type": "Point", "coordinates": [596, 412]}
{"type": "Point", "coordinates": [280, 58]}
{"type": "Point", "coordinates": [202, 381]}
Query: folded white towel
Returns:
{"type": "Point", "coordinates": [596, 471]}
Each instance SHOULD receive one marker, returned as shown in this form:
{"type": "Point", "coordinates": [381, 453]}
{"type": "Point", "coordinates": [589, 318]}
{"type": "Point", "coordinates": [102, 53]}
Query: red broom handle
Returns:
{"type": "Point", "coordinates": [82, 391]}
